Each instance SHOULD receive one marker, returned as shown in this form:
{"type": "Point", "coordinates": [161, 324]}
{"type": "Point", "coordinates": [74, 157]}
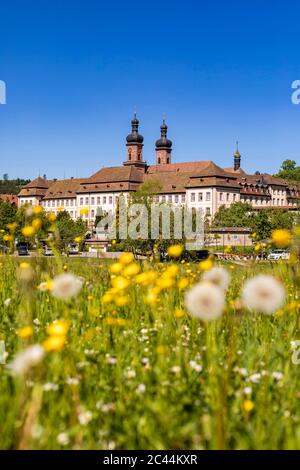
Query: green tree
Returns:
{"type": "Point", "coordinates": [69, 229]}
{"type": "Point", "coordinates": [238, 214]}
{"type": "Point", "coordinates": [289, 170]}
{"type": "Point", "coordinates": [7, 214]}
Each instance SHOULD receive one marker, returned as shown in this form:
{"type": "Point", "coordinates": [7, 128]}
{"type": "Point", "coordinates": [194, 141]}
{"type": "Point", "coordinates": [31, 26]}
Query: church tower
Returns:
{"type": "Point", "coordinates": [135, 145]}
{"type": "Point", "coordinates": [237, 158]}
{"type": "Point", "coordinates": [163, 146]}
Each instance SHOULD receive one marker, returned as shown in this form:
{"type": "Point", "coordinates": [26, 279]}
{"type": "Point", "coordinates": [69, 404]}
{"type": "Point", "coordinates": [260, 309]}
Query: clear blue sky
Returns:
{"type": "Point", "coordinates": [76, 70]}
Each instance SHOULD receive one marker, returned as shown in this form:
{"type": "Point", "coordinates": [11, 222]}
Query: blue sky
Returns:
{"type": "Point", "coordinates": [75, 72]}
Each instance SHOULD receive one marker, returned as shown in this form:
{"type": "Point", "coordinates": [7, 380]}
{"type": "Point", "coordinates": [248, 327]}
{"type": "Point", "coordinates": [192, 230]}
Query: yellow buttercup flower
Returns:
{"type": "Point", "coordinates": [171, 271]}
{"type": "Point", "coordinates": [36, 224]}
{"type": "Point", "coordinates": [116, 268]}
{"type": "Point", "coordinates": [248, 405]}
{"type": "Point", "coordinates": [131, 269]}
{"type": "Point", "coordinates": [58, 328]}
{"type": "Point", "coordinates": [175, 251]}
{"type": "Point", "coordinates": [126, 258]}
{"type": "Point", "coordinates": [12, 227]}
{"type": "Point", "coordinates": [122, 300]}
{"type": "Point", "coordinates": [7, 238]}
{"type": "Point", "coordinates": [165, 282]}
{"type": "Point", "coordinates": [281, 238]}
{"type": "Point", "coordinates": [179, 313]}
{"type": "Point", "coordinates": [206, 264]}
{"type": "Point", "coordinates": [146, 278]}
{"type": "Point", "coordinates": [28, 231]}
{"type": "Point", "coordinates": [77, 239]}
{"type": "Point", "coordinates": [107, 298]}
{"type": "Point", "coordinates": [54, 343]}
{"type": "Point", "coordinates": [183, 283]}
{"type": "Point", "coordinates": [24, 265]}
{"type": "Point", "coordinates": [51, 217]}
{"type": "Point", "coordinates": [37, 210]}
{"type": "Point", "coordinates": [120, 283]}
{"type": "Point", "coordinates": [25, 332]}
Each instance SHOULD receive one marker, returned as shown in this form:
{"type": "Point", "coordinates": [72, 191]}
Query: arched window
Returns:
{"type": "Point", "coordinates": [129, 154]}
{"type": "Point", "coordinates": [158, 161]}
{"type": "Point", "coordinates": [168, 160]}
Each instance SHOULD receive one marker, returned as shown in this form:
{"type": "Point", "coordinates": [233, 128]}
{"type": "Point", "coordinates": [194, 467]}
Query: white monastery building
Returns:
{"type": "Point", "coordinates": [200, 184]}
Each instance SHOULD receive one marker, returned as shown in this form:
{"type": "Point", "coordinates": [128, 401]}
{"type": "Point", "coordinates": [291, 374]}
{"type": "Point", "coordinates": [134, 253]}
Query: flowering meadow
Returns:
{"type": "Point", "coordinates": [127, 354]}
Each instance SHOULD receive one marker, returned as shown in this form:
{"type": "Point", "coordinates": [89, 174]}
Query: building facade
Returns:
{"type": "Point", "coordinates": [200, 184]}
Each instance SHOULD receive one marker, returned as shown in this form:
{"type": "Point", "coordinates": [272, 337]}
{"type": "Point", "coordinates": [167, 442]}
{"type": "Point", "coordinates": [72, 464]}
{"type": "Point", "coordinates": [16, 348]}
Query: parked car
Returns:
{"type": "Point", "coordinates": [73, 249]}
{"type": "Point", "coordinates": [276, 255]}
{"type": "Point", "coordinates": [48, 251]}
{"type": "Point", "coordinates": [22, 249]}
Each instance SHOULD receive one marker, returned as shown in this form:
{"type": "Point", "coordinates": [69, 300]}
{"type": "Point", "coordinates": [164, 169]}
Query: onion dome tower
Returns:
{"type": "Point", "coordinates": [135, 145]}
{"type": "Point", "coordinates": [163, 146]}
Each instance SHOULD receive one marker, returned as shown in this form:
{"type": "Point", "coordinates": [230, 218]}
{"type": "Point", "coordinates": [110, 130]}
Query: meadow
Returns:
{"type": "Point", "coordinates": [120, 364]}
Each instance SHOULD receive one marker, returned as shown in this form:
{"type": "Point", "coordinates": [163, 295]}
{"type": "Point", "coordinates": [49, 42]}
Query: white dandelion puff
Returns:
{"type": "Point", "coordinates": [27, 359]}
{"type": "Point", "coordinates": [263, 293]}
{"type": "Point", "coordinates": [65, 286]}
{"type": "Point", "coordinates": [7, 302]}
{"type": "Point", "coordinates": [220, 277]}
{"type": "Point", "coordinates": [205, 301]}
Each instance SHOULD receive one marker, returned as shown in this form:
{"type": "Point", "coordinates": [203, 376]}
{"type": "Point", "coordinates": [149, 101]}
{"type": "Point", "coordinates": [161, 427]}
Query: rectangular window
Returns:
{"type": "Point", "coordinates": [200, 197]}
{"type": "Point", "coordinates": [170, 198]}
{"type": "Point", "coordinates": [86, 200]}
{"type": "Point", "coordinates": [227, 197]}
{"type": "Point", "coordinates": [93, 201]}
{"type": "Point", "coordinates": [163, 199]}
{"type": "Point", "coordinates": [81, 201]}
{"type": "Point", "coordinates": [110, 199]}
{"type": "Point", "coordinates": [207, 210]}
{"type": "Point", "coordinates": [234, 197]}
{"type": "Point", "coordinates": [208, 196]}
{"type": "Point", "coordinates": [67, 202]}
{"type": "Point", "coordinates": [98, 200]}
{"type": "Point", "coordinates": [183, 198]}
{"type": "Point", "coordinates": [176, 198]}
{"type": "Point", "coordinates": [221, 196]}
{"type": "Point", "coordinates": [93, 213]}
{"type": "Point", "coordinates": [193, 197]}
{"type": "Point", "coordinates": [104, 199]}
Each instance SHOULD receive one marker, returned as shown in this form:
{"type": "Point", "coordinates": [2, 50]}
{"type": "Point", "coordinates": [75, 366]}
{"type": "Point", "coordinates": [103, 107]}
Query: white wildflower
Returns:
{"type": "Point", "coordinates": [85, 417]}
{"type": "Point", "coordinates": [255, 378]}
{"type": "Point", "coordinates": [65, 286]}
{"type": "Point", "coordinates": [205, 301]}
{"type": "Point", "coordinates": [7, 302]}
{"type": "Point", "coordinates": [247, 390]}
{"type": "Point", "coordinates": [63, 439]}
{"type": "Point", "coordinates": [263, 293]}
{"type": "Point", "coordinates": [50, 387]}
{"type": "Point", "coordinates": [220, 277]}
{"type": "Point", "coordinates": [195, 366]}
{"type": "Point", "coordinates": [277, 375]}
{"type": "Point", "coordinates": [26, 359]}
{"type": "Point", "coordinates": [141, 388]}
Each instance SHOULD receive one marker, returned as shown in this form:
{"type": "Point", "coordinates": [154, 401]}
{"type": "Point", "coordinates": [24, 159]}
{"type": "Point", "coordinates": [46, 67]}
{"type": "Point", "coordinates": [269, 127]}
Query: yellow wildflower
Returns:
{"type": "Point", "coordinates": [175, 251]}
{"type": "Point", "coordinates": [131, 269]}
{"type": "Point", "coordinates": [54, 343]}
{"type": "Point", "coordinates": [51, 217]}
{"type": "Point", "coordinates": [116, 268]}
{"type": "Point", "coordinates": [126, 258]}
{"type": "Point", "coordinates": [183, 283]}
{"type": "Point", "coordinates": [179, 313]}
{"type": "Point", "coordinates": [120, 283]}
{"type": "Point", "coordinates": [281, 238]}
{"type": "Point", "coordinates": [58, 328]}
{"type": "Point", "coordinates": [206, 264]}
{"type": "Point", "coordinates": [24, 265]}
{"type": "Point", "coordinates": [24, 332]}
{"type": "Point", "coordinates": [7, 238]}
{"type": "Point", "coordinates": [248, 405]}
{"type": "Point", "coordinates": [28, 231]}
{"type": "Point", "coordinates": [77, 239]}
{"type": "Point", "coordinates": [122, 300]}
{"type": "Point", "coordinates": [37, 210]}
{"type": "Point", "coordinates": [36, 224]}
{"type": "Point", "coordinates": [12, 227]}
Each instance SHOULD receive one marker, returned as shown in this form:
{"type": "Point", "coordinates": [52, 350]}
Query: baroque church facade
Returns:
{"type": "Point", "coordinates": [200, 184]}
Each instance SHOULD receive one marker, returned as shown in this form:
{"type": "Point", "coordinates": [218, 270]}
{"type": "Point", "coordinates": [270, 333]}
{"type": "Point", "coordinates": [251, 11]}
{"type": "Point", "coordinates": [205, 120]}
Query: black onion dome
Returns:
{"type": "Point", "coordinates": [135, 137]}
{"type": "Point", "coordinates": [163, 142]}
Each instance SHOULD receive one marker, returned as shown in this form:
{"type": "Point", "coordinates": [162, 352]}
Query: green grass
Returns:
{"type": "Point", "coordinates": [137, 380]}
